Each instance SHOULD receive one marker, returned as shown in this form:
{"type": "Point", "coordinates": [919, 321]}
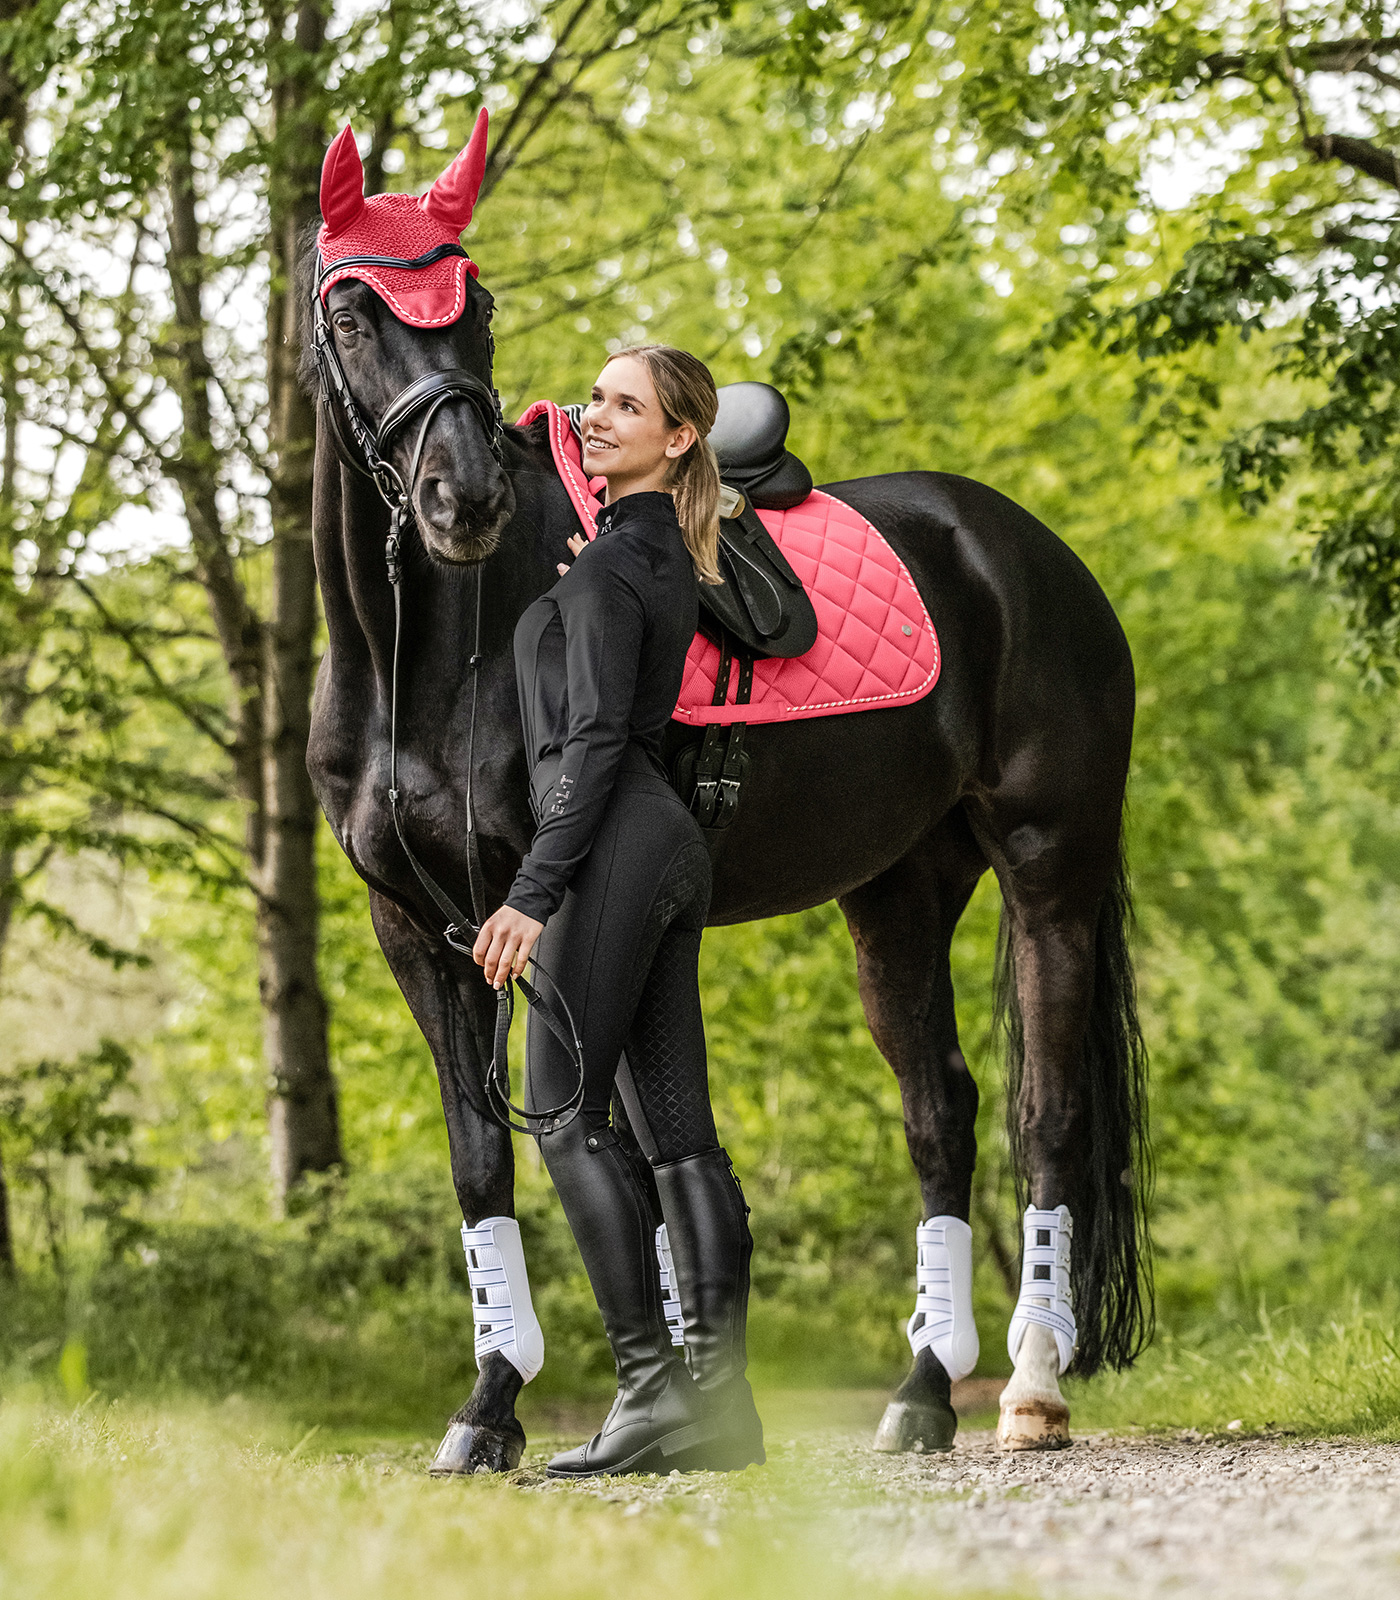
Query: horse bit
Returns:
{"type": "Point", "coordinates": [365, 451]}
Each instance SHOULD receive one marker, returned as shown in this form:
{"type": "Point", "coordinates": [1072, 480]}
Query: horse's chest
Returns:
{"type": "Point", "coordinates": [355, 799]}
{"type": "Point", "coordinates": [432, 808]}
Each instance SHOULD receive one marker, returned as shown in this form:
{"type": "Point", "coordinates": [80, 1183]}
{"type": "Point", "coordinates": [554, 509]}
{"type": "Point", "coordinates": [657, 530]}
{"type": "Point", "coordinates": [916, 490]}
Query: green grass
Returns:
{"type": "Point", "coordinates": [1302, 1375]}
{"type": "Point", "coordinates": [200, 1501]}
{"type": "Point", "coordinates": [144, 1498]}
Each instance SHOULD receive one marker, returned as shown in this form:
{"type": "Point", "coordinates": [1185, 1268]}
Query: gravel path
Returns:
{"type": "Point", "coordinates": [1197, 1518]}
{"type": "Point", "coordinates": [1184, 1516]}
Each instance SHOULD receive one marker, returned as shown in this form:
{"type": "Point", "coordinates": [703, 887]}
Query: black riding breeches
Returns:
{"type": "Point", "coordinates": [624, 949]}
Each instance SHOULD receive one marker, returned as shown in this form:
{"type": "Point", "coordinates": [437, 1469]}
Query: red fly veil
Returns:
{"type": "Point", "coordinates": [403, 226]}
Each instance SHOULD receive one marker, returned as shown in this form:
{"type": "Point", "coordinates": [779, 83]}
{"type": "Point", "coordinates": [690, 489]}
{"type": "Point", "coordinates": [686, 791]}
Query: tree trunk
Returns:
{"type": "Point", "coordinates": [14, 112]}
{"type": "Point", "coordinates": [7, 907]}
{"type": "Point", "coordinates": [302, 1109]}
{"type": "Point", "coordinates": [196, 473]}
{"type": "Point", "coordinates": [7, 1243]}
{"type": "Point", "coordinates": [271, 660]}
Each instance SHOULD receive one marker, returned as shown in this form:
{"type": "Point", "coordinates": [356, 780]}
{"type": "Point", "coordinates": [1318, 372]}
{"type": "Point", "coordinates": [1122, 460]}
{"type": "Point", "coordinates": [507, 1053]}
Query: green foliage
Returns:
{"type": "Point", "coordinates": [58, 1124]}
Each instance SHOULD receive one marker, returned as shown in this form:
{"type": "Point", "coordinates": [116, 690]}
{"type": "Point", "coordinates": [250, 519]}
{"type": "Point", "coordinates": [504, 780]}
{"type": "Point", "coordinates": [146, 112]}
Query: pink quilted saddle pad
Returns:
{"type": "Point", "coordinates": [876, 645]}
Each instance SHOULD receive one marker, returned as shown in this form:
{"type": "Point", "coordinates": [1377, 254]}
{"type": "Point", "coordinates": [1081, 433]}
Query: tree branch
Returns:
{"type": "Point", "coordinates": [198, 716]}
{"type": "Point", "coordinates": [1372, 159]}
{"type": "Point", "coordinates": [1332, 55]}
{"type": "Point", "coordinates": [502, 157]}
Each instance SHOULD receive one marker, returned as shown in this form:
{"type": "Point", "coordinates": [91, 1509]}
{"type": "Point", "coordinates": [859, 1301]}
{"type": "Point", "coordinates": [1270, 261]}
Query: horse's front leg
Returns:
{"type": "Point", "coordinates": [902, 924]}
{"type": "Point", "coordinates": [455, 1010]}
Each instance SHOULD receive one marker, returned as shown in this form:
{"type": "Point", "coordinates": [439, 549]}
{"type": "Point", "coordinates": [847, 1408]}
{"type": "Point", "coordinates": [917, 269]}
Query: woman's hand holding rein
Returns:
{"type": "Point", "coordinates": [504, 944]}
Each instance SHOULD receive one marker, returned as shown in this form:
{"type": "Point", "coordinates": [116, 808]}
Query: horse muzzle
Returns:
{"type": "Point", "coordinates": [459, 529]}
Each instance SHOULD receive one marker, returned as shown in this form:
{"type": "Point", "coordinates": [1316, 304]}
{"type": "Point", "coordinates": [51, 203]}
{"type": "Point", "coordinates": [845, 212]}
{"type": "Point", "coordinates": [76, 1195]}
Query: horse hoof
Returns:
{"type": "Point", "coordinates": [1033, 1424]}
{"type": "Point", "coordinates": [920, 1429]}
{"type": "Point", "coordinates": [466, 1449]}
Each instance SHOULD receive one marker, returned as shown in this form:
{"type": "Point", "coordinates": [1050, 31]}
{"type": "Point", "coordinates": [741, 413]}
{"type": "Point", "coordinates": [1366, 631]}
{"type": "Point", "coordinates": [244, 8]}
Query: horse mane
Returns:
{"type": "Point", "coordinates": [303, 286]}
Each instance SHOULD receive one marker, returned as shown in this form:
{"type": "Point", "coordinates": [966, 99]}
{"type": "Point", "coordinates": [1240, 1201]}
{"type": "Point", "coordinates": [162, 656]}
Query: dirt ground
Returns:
{"type": "Point", "coordinates": [1182, 1515]}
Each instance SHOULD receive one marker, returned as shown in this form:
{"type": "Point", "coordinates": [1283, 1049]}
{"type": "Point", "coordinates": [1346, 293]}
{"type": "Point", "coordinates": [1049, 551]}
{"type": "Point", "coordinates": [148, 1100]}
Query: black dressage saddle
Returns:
{"type": "Point", "coordinates": [761, 606]}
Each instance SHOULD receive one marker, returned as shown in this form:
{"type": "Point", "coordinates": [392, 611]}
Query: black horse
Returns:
{"type": "Point", "coordinates": [1016, 761]}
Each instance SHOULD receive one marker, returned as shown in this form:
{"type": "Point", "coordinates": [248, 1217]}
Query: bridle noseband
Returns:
{"type": "Point", "coordinates": [364, 449]}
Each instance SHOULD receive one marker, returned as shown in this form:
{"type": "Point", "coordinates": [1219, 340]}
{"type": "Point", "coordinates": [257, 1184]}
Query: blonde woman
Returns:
{"type": "Point", "coordinates": [615, 890]}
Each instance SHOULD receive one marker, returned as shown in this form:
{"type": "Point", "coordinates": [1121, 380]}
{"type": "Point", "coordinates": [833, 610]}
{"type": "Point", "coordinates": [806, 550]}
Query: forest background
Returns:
{"type": "Point", "coordinates": [1051, 248]}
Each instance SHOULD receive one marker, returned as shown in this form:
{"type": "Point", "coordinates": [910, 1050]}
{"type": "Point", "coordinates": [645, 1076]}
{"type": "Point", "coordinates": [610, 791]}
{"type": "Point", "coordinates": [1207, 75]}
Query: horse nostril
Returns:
{"type": "Point", "coordinates": [438, 503]}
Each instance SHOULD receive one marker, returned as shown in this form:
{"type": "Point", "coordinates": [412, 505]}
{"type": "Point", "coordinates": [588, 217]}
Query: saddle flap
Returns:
{"type": "Point", "coordinates": [761, 602]}
{"type": "Point", "coordinates": [756, 588]}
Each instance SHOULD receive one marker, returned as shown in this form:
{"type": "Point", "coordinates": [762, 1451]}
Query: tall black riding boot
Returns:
{"type": "Point", "coordinates": [659, 1421]}
{"type": "Point", "coordinates": [707, 1224]}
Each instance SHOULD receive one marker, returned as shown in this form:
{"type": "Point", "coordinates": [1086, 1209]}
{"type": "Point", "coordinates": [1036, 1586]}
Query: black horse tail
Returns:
{"type": "Point", "coordinates": [1111, 1261]}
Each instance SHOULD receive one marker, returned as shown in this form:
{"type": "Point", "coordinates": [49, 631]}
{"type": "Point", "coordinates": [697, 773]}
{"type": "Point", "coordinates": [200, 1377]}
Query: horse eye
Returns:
{"type": "Point", "coordinates": [344, 322]}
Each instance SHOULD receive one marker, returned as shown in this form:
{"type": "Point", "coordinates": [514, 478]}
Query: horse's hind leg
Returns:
{"type": "Point", "coordinates": [483, 1434]}
{"type": "Point", "coordinates": [902, 924]}
{"type": "Point", "coordinates": [1077, 1116]}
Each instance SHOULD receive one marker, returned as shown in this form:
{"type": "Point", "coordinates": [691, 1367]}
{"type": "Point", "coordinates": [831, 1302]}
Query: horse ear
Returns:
{"type": "Point", "coordinates": [451, 198]}
{"type": "Point", "coordinates": [342, 183]}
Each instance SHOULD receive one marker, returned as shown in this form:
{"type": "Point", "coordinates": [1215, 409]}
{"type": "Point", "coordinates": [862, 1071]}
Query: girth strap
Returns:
{"type": "Point", "coordinates": [723, 763]}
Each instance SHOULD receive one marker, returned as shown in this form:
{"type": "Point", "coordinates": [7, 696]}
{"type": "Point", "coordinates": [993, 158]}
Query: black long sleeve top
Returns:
{"type": "Point", "coordinates": [598, 666]}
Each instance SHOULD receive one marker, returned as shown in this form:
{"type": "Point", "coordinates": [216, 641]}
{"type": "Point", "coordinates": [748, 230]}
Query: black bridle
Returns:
{"type": "Point", "coordinates": [364, 449]}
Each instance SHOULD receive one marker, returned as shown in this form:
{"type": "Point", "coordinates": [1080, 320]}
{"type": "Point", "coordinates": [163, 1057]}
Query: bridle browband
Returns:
{"type": "Point", "coordinates": [364, 449]}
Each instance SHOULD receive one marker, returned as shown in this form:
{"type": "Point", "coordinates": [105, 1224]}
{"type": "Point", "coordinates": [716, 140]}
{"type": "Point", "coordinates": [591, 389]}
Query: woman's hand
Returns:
{"type": "Point", "coordinates": [578, 544]}
{"type": "Point", "coordinates": [504, 944]}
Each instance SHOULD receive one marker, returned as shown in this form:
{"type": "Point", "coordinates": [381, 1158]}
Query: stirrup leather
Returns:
{"type": "Point", "coordinates": [502, 1311]}
{"type": "Point", "coordinates": [670, 1298]}
{"type": "Point", "coordinates": [943, 1315]}
{"type": "Point", "coordinates": [1045, 1294]}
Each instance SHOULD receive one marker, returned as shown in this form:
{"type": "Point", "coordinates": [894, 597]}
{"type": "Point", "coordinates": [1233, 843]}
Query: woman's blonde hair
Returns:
{"type": "Point", "coordinates": [687, 394]}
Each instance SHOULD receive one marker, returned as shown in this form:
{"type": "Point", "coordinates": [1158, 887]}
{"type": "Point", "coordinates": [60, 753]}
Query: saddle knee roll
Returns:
{"type": "Point", "coordinates": [943, 1320]}
{"type": "Point", "coordinates": [1045, 1292]}
{"type": "Point", "coordinates": [502, 1311]}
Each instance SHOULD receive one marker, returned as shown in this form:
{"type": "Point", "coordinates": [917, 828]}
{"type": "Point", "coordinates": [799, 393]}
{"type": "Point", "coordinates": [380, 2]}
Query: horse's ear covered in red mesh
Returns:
{"type": "Point", "coordinates": [404, 226]}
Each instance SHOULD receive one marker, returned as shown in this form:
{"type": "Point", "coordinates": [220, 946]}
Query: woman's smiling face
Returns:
{"type": "Point", "coordinates": [627, 438]}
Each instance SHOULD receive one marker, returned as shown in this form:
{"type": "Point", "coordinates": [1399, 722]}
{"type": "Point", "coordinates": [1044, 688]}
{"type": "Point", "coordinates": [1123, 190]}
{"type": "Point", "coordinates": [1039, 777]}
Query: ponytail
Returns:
{"type": "Point", "coordinates": [695, 484]}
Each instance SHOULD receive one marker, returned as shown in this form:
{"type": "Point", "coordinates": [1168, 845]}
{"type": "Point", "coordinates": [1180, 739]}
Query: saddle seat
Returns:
{"type": "Point", "coordinates": [750, 439]}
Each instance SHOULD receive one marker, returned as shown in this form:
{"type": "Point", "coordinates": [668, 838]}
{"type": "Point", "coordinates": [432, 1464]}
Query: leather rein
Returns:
{"type": "Point", "coordinates": [364, 449]}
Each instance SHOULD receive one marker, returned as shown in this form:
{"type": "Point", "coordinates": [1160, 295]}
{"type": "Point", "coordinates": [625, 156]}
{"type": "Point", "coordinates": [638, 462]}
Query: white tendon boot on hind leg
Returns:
{"type": "Point", "coordinates": [943, 1324]}
{"type": "Point", "coordinates": [670, 1300]}
{"type": "Point", "coordinates": [1041, 1338]}
{"type": "Point", "coordinates": [504, 1322]}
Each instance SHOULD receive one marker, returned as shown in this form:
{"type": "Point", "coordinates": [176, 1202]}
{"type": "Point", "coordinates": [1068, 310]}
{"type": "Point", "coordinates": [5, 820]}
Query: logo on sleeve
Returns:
{"type": "Point", "coordinates": [563, 790]}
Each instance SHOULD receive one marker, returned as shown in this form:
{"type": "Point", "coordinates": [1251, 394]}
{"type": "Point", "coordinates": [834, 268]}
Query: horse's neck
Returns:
{"type": "Point", "coordinates": [439, 602]}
